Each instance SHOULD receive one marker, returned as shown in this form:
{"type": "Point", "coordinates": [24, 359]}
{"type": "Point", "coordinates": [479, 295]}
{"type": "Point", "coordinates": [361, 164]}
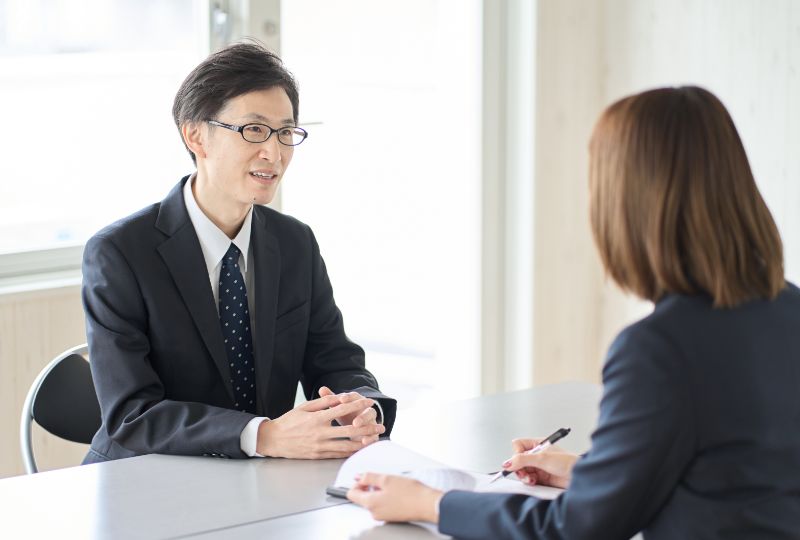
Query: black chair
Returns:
{"type": "Point", "coordinates": [63, 401]}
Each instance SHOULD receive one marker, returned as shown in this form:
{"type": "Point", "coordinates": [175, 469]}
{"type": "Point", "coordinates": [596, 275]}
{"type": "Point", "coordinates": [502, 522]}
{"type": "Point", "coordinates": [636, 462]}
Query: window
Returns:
{"type": "Point", "coordinates": [87, 128]}
{"type": "Point", "coordinates": [390, 179]}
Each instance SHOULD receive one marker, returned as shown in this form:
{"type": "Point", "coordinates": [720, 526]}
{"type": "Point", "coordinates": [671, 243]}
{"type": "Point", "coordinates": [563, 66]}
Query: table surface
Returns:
{"type": "Point", "coordinates": [158, 496]}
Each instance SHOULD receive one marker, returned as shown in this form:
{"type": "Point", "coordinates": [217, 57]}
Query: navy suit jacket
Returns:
{"type": "Point", "coordinates": [156, 347]}
{"type": "Point", "coordinates": [698, 435]}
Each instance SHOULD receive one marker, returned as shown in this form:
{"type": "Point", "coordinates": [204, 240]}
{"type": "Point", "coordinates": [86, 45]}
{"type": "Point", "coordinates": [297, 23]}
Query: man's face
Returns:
{"type": "Point", "coordinates": [239, 172]}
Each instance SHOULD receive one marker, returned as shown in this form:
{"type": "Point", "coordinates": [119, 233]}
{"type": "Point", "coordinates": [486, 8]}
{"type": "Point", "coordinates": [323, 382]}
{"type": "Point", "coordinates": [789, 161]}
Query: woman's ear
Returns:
{"type": "Point", "coordinates": [194, 137]}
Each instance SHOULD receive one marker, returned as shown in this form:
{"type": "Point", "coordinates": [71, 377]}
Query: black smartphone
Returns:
{"type": "Point", "coordinates": [336, 491]}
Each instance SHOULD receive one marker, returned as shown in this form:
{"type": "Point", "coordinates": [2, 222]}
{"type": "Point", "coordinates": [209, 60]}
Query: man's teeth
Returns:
{"type": "Point", "coordinates": [262, 175]}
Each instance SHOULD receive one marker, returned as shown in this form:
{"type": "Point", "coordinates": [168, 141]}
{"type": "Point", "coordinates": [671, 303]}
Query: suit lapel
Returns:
{"type": "Point", "coordinates": [184, 260]}
{"type": "Point", "coordinates": [266, 280]}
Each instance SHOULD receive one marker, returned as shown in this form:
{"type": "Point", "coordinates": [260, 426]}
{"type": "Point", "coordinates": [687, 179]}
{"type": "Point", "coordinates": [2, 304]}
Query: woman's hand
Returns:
{"type": "Point", "coordinates": [552, 467]}
{"type": "Point", "coordinates": [394, 498]}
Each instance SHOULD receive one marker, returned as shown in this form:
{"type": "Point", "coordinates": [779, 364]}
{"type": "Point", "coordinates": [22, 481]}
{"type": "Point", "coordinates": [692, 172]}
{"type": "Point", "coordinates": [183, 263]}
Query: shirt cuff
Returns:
{"type": "Point", "coordinates": [378, 408]}
{"type": "Point", "coordinates": [249, 437]}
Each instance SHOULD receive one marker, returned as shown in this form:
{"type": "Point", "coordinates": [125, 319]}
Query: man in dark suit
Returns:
{"type": "Point", "coordinates": [204, 311]}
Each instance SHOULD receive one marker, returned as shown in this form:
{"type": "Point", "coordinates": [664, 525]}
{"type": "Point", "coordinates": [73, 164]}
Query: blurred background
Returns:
{"type": "Point", "coordinates": [444, 174]}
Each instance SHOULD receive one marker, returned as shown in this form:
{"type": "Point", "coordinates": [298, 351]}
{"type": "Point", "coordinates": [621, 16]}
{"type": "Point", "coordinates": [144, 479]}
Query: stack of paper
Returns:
{"type": "Point", "coordinates": [386, 457]}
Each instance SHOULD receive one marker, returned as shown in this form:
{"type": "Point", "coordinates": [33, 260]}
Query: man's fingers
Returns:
{"type": "Point", "coordinates": [320, 404]}
{"type": "Point", "coordinates": [369, 440]}
{"type": "Point", "coordinates": [340, 446]}
{"type": "Point", "coordinates": [335, 455]}
{"type": "Point", "coordinates": [368, 416]}
{"type": "Point", "coordinates": [344, 409]}
{"type": "Point", "coordinates": [328, 399]}
{"type": "Point", "coordinates": [336, 449]}
{"type": "Point", "coordinates": [335, 432]}
{"type": "Point", "coordinates": [349, 396]}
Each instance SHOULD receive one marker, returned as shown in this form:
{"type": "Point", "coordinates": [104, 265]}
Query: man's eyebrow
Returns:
{"type": "Point", "coordinates": [264, 119]}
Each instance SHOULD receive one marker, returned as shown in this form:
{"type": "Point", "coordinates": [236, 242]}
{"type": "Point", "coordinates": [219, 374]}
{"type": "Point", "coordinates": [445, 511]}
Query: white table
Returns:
{"type": "Point", "coordinates": [159, 496]}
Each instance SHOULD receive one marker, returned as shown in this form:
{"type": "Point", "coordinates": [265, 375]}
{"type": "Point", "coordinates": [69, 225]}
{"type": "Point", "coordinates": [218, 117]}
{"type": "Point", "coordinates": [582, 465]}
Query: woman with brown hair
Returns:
{"type": "Point", "coordinates": [699, 429]}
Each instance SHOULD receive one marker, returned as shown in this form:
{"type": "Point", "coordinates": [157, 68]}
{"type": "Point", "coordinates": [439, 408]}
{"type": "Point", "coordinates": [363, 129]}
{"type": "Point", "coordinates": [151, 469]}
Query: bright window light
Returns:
{"type": "Point", "coordinates": [87, 134]}
{"type": "Point", "coordinates": [390, 180]}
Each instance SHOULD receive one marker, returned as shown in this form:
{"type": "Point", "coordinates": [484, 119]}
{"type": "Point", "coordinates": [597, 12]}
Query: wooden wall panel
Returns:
{"type": "Point", "coordinates": [593, 53]}
{"type": "Point", "coordinates": [567, 276]}
{"type": "Point", "coordinates": [34, 328]}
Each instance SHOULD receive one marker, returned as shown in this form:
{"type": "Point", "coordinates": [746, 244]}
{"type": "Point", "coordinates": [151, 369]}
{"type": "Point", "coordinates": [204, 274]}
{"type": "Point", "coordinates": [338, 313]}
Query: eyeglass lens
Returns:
{"type": "Point", "coordinates": [257, 133]}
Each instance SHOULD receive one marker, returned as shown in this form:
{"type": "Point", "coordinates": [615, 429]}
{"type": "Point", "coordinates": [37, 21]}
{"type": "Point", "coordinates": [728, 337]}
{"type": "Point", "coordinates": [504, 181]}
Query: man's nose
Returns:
{"type": "Point", "coordinates": [271, 149]}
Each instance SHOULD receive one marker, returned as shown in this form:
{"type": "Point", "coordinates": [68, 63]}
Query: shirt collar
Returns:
{"type": "Point", "coordinates": [213, 242]}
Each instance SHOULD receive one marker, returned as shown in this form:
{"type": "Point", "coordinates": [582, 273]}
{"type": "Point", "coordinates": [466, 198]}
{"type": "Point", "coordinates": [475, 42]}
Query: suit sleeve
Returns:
{"type": "Point", "coordinates": [331, 359]}
{"type": "Point", "coordinates": [133, 407]}
{"type": "Point", "coordinates": [643, 442]}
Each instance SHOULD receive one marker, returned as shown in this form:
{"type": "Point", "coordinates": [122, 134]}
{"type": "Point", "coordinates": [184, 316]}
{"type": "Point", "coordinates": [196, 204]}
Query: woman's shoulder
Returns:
{"type": "Point", "coordinates": [683, 326]}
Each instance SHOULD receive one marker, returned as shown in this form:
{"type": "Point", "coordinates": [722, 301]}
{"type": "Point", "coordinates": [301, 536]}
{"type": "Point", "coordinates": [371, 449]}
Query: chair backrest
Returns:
{"type": "Point", "coordinates": [63, 401]}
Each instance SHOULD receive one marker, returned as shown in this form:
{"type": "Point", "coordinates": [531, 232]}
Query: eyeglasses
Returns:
{"type": "Point", "coordinates": [258, 133]}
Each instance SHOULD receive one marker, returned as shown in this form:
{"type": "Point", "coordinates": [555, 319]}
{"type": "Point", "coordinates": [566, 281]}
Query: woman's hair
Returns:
{"type": "Point", "coordinates": [674, 206]}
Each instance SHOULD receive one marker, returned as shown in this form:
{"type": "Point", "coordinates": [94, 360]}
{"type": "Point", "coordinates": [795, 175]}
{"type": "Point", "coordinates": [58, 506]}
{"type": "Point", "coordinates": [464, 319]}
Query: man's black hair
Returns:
{"type": "Point", "coordinates": [226, 74]}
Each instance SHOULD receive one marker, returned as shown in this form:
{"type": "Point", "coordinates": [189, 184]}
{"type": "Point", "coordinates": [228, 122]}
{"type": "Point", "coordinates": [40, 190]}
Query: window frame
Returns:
{"type": "Point", "coordinates": [38, 262]}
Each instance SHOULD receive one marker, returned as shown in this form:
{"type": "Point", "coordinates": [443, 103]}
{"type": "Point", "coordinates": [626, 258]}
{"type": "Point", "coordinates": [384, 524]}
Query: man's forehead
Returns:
{"type": "Point", "coordinates": [271, 105]}
{"type": "Point", "coordinates": [257, 117]}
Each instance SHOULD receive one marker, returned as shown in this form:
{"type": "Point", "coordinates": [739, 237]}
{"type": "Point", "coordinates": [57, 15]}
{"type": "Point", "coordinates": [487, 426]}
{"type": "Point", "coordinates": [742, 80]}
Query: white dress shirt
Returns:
{"type": "Point", "coordinates": [215, 244]}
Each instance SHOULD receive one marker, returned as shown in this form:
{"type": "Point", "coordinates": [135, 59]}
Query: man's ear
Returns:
{"type": "Point", "coordinates": [194, 137]}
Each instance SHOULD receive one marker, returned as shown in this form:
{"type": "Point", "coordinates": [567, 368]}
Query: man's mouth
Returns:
{"type": "Point", "coordinates": [263, 176]}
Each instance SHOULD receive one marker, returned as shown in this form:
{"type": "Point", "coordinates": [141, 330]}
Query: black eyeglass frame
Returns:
{"type": "Point", "coordinates": [240, 131]}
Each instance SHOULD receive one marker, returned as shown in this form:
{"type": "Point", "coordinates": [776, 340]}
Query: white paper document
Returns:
{"type": "Point", "coordinates": [386, 457]}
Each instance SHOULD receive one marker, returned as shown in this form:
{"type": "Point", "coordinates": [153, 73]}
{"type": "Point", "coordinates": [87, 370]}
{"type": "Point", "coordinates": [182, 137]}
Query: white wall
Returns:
{"type": "Point", "coordinates": [591, 53]}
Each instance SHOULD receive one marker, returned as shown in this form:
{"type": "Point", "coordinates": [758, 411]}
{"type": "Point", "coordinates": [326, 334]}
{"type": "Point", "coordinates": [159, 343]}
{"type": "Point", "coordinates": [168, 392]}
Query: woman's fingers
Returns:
{"type": "Point", "coordinates": [532, 477]}
{"type": "Point", "coordinates": [395, 498]}
{"type": "Point", "coordinates": [546, 468]}
{"type": "Point", "coordinates": [370, 479]}
{"type": "Point", "coordinates": [365, 489]}
{"type": "Point", "coordinates": [523, 445]}
{"type": "Point", "coordinates": [546, 461]}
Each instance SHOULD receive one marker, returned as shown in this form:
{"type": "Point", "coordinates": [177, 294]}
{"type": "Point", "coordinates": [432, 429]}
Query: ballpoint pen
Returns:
{"type": "Point", "coordinates": [541, 447]}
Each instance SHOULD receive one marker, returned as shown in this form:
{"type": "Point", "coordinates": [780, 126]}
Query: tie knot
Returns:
{"type": "Point", "coordinates": [232, 255]}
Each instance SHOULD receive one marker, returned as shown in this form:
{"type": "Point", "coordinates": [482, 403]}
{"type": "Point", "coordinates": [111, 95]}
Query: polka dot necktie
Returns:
{"type": "Point", "coordinates": [234, 316]}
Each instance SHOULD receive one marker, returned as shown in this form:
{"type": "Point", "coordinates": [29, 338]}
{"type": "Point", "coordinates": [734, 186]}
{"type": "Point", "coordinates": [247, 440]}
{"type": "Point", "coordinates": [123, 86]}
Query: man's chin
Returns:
{"type": "Point", "coordinates": [263, 197]}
